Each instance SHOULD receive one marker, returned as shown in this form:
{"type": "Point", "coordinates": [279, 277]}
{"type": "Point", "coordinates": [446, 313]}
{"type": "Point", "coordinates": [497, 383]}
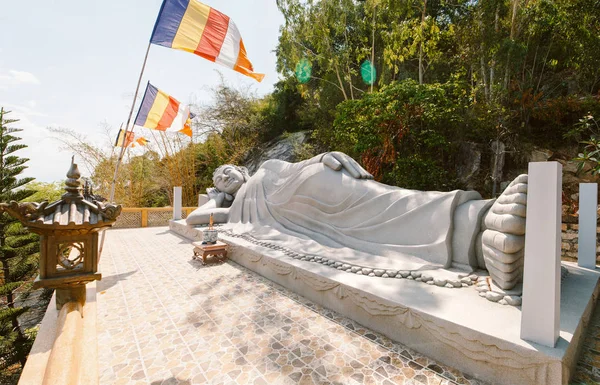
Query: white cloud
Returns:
{"type": "Point", "coordinates": [24, 110]}
{"type": "Point", "coordinates": [46, 162]}
{"type": "Point", "coordinates": [24, 77]}
{"type": "Point", "coordinates": [14, 78]}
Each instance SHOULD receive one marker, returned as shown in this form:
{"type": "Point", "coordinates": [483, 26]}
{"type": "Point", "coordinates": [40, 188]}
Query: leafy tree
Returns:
{"type": "Point", "coordinates": [403, 134]}
{"type": "Point", "coordinates": [18, 254]}
{"type": "Point", "coordinates": [45, 191]}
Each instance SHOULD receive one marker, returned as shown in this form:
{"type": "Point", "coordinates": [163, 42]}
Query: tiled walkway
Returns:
{"type": "Point", "coordinates": [166, 319]}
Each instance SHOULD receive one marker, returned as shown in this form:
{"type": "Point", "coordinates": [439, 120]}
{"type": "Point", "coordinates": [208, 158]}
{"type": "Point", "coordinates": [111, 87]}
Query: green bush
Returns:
{"type": "Point", "coordinates": [403, 134]}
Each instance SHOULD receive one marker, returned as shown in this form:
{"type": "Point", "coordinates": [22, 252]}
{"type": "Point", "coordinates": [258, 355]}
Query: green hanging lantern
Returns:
{"type": "Point", "coordinates": [368, 72]}
{"type": "Point", "coordinates": [303, 70]}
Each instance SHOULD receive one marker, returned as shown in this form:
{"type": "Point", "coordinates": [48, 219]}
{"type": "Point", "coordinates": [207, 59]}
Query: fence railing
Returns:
{"type": "Point", "coordinates": [132, 217]}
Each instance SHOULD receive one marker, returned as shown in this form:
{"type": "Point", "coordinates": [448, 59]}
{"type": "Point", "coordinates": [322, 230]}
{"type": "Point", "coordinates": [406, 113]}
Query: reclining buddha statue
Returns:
{"type": "Point", "coordinates": [330, 206]}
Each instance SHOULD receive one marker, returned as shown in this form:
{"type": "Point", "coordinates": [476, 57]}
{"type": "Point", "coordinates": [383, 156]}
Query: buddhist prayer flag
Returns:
{"type": "Point", "coordinates": [130, 139]}
{"type": "Point", "coordinates": [122, 137]}
{"type": "Point", "coordinates": [194, 27]}
{"type": "Point", "coordinates": [141, 141]}
{"type": "Point", "coordinates": [159, 111]}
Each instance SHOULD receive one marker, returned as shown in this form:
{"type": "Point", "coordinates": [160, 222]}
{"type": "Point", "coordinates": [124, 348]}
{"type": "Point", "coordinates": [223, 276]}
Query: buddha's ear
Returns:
{"type": "Point", "coordinates": [244, 172]}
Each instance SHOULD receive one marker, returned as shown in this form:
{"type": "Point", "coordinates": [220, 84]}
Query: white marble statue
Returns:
{"type": "Point", "coordinates": [330, 206]}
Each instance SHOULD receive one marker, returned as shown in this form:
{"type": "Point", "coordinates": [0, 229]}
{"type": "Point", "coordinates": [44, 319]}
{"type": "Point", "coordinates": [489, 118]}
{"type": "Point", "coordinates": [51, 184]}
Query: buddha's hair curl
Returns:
{"type": "Point", "coordinates": [241, 169]}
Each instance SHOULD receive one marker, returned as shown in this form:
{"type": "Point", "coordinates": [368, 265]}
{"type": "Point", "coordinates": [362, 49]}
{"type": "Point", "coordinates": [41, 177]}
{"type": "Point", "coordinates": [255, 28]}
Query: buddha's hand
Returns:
{"type": "Point", "coordinates": [338, 160]}
{"type": "Point", "coordinates": [216, 195]}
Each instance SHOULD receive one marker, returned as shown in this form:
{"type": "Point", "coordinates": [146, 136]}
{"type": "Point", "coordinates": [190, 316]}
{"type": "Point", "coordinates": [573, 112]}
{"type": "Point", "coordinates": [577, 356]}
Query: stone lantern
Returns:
{"type": "Point", "coordinates": [68, 230]}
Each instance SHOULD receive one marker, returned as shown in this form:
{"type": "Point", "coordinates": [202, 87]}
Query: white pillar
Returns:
{"type": "Point", "coordinates": [540, 311]}
{"type": "Point", "coordinates": [588, 216]}
{"type": "Point", "coordinates": [177, 203]}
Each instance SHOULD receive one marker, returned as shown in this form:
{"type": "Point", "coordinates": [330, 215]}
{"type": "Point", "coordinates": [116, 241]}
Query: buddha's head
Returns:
{"type": "Point", "coordinates": [229, 178]}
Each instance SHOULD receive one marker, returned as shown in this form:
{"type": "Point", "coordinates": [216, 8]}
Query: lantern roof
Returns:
{"type": "Point", "coordinates": [77, 212]}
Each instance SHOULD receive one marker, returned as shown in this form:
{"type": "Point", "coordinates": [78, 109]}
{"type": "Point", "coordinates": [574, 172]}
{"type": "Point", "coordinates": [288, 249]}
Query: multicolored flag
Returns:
{"type": "Point", "coordinates": [159, 111]}
{"type": "Point", "coordinates": [130, 139]}
{"type": "Point", "coordinates": [141, 141]}
{"type": "Point", "coordinates": [194, 27]}
{"type": "Point", "coordinates": [121, 137]}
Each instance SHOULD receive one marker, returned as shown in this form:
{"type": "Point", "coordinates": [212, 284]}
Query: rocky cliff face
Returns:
{"type": "Point", "coordinates": [284, 147]}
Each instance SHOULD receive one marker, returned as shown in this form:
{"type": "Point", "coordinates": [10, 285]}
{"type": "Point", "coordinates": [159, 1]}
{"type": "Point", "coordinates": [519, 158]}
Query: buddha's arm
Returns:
{"type": "Point", "coordinates": [334, 160]}
{"type": "Point", "coordinates": [201, 215]}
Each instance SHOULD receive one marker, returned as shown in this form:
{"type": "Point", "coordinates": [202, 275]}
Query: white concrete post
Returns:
{"type": "Point", "coordinates": [540, 311]}
{"type": "Point", "coordinates": [588, 216]}
{"type": "Point", "coordinates": [177, 203]}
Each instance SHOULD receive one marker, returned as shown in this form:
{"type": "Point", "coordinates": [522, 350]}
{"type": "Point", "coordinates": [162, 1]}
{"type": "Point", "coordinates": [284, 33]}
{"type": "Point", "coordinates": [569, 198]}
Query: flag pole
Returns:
{"type": "Point", "coordinates": [114, 181]}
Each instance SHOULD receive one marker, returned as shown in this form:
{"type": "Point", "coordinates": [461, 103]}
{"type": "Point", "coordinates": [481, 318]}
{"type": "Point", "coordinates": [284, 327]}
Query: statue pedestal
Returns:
{"type": "Point", "coordinates": [454, 326]}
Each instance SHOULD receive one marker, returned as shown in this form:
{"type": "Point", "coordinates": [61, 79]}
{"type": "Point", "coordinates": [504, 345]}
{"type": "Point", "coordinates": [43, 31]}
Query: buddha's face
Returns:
{"type": "Point", "coordinates": [229, 180]}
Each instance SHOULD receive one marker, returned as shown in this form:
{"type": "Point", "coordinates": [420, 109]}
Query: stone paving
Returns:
{"type": "Point", "coordinates": [164, 318]}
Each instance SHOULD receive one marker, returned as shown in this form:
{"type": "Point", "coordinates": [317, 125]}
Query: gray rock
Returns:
{"type": "Point", "coordinates": [482, 294]}
{"type": "Point", "coordinates": [337, 264]}
{"type": "Point", "coordinates": [355, 269]}
{"type": "Point", "coordinates": [473, 277]}
{"type": "Point", "coordinates": [466, 280]}
{"type": "Point", "coordinates": [513, 300]}
{"type": "Point", "coordinates": [418, 279]}
{"type": "Point", "coordinates": [462, 275]}
{"type": "Point", "coordinates": [503, 302]}
{"type": "Point", "coordinates": [359, 272]}
{"type": "Point", "coordinates": [426, 278]}
{"type": "Point", "coordinates": [391, 273]}
{"type": "Point", "coordinates": [367, 271]}
{"type": "Point", "coordinates": [378, 272]}
{"type": "Point", "coordinates": [429, 282]}
{"type": "Point", "coordinates": [385, 275]}
{"type": "Point", "coordinates": [415, 274]}
{"type": "Point", "coordinates": [455, 282]}
{"type": "Point", "coordinates": [439, 282]}
{"type": "Point", "coordinates": [282, 147]}
{"type": "Point", "coordinates": [449, 286]}
{"type": "Point", "coordinates": [465, 285]}
{"type": "Point", "coordinates": [404, 274]}
{"type": "Point", "coordinates": [346, 266]}
{"type": "Point", "coordinates": [371, 275]}
{"type": "Point", "coordinates": [410, 277]}
{"type": "Point", "coordinates": [494, 297]}
{"type": "Point", "coordinates": [482, 289]}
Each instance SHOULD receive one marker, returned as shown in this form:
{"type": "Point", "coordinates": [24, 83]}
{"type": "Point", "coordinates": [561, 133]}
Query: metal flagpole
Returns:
{"type": "Point", "coordinates": [114, 181]}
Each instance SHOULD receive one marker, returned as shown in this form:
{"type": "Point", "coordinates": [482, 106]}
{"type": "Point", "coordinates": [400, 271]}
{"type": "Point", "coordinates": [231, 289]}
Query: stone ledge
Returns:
{"type": "Point", "coordinates": [481, 338]}
{"type": "Point", "coordinates": [36, 367]}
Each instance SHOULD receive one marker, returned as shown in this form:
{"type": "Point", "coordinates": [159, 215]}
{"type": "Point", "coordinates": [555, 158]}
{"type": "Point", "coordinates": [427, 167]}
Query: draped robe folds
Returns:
{"type": "Point", "coordinates": [311, 209]}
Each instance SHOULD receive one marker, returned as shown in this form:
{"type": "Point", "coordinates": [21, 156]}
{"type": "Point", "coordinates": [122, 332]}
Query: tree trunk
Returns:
{"type": "Point", "coordinates": [373, 45]}
{"type": "Point", "coordinates": [513, 28]}
{"type": "Point", "coordinates": [486, 90]}
{"type": "Point", "coordinates": [337, 73]}
{"type": "Point", "coordinates": [421, 68]}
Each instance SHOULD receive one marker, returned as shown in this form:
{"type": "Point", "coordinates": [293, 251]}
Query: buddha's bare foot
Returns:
{"type": "Point", "coordinates": [503, 240]}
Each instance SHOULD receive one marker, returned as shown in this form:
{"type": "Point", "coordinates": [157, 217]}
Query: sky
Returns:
{"type": "Point", "coordinates": [75, 64]}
